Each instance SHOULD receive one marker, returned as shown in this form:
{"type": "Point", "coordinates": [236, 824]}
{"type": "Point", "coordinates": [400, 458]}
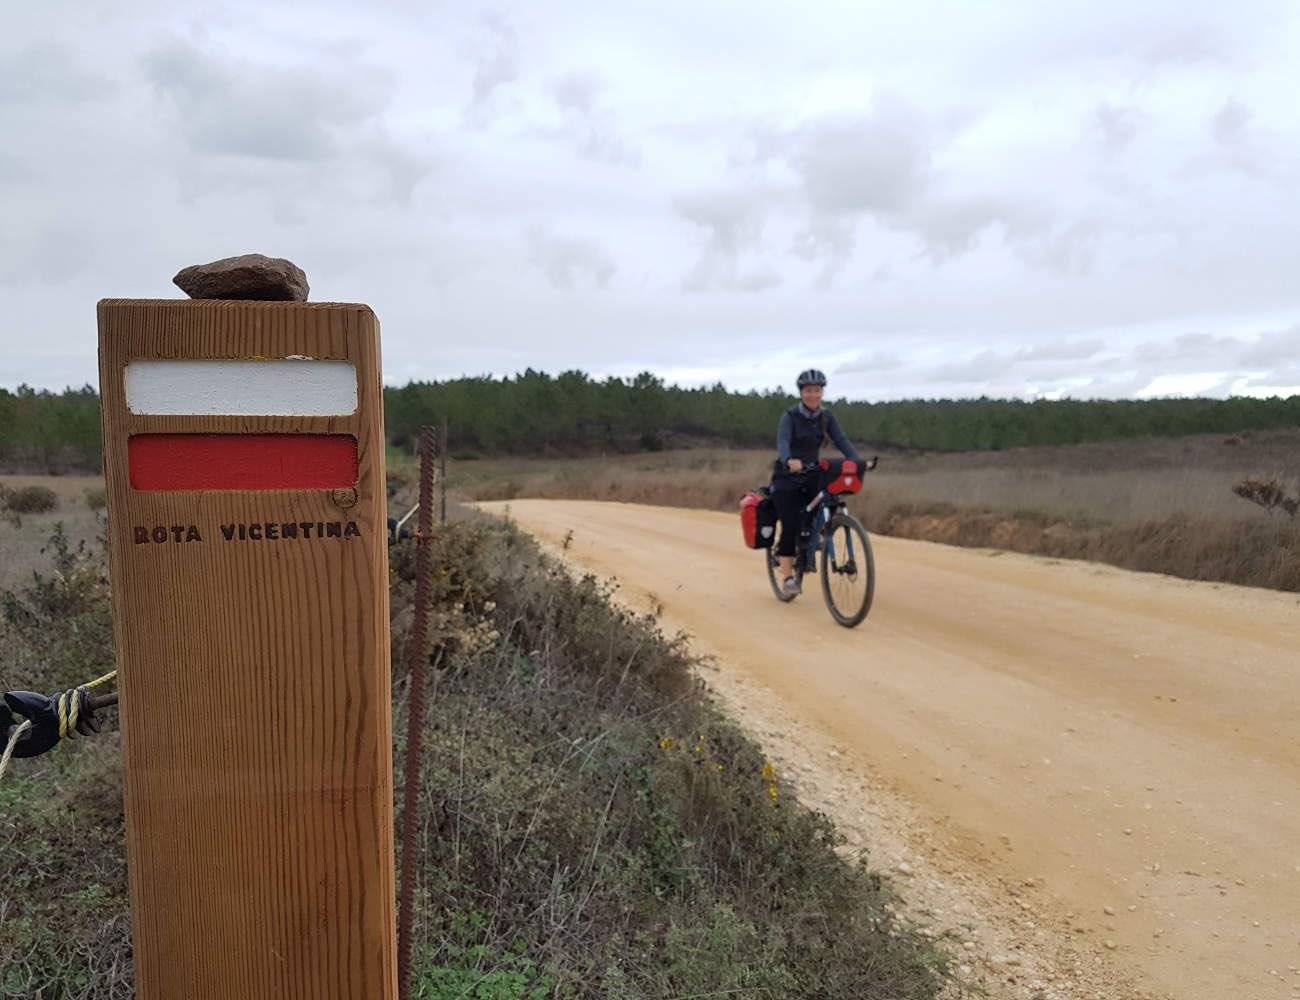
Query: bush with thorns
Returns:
{"type": "Point", "coordinates": [1269, 493]}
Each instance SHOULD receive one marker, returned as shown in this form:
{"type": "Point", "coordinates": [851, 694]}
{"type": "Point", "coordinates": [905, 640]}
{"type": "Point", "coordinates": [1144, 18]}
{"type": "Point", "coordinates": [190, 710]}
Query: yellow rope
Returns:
{"type": "Point", "coordinates": [69, 705]}
{"type": "Point", "coordinates": [69, 709]}
{"type": "Point", "coordinates": [14, 737]}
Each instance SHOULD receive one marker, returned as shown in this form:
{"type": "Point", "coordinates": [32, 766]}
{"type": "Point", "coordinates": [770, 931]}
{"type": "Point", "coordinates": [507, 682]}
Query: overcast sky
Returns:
{"type": "Point", "coordinates": [1094, 198]}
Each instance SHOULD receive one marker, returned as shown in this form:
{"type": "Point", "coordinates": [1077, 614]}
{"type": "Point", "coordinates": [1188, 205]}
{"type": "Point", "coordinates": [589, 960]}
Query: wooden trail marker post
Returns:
{"type": "Point", "coordinates": [244, 460]}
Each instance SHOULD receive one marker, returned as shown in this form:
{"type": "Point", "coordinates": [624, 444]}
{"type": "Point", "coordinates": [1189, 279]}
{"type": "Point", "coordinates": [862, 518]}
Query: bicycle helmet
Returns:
{"type": "Point", "coordinates": [811, 377]}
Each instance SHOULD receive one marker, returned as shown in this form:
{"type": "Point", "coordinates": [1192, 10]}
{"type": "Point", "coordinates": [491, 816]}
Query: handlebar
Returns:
{"type": "Point", "coordinates": [824, 465]}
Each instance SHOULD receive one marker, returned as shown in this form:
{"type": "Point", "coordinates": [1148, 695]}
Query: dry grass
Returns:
{"type": "Point", "coordinates": [1164, 506]}
{"type": "Point", "coordinates": [69, 489]}
{"type": "Point", "coordinates": [1119, 482]}
{"type": "Point", "coordinates": [1260, 554]}
{"type": "Point", "coordinates": [1123, 497]}
{"type": "Point", "coordinates": [20, 545]}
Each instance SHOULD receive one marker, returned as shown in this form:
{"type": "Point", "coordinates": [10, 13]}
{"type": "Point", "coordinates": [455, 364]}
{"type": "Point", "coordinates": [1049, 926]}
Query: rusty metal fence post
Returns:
{"type": "Point", "coordinates": [417, 656]}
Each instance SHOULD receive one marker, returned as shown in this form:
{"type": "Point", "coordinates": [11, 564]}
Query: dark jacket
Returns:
{"type": "Point", "coordinates": [800, 435]}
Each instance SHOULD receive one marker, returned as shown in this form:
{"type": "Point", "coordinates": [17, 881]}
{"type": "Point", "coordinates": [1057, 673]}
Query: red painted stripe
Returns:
{"type": "Point", "coordinates": [242, 461]}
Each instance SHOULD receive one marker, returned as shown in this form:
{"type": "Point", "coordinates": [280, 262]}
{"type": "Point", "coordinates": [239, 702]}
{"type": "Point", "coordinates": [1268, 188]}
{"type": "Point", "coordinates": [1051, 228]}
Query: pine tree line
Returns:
{"type": "Point", "coordinates": [537, 413]}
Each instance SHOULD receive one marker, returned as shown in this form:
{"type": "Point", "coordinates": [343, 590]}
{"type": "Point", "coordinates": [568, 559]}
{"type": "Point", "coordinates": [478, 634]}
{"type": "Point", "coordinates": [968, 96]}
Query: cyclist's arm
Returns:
{"type": "Point", "coordinates": [841, 442]}
{"type": "Point", "coordinates": [783, 431]}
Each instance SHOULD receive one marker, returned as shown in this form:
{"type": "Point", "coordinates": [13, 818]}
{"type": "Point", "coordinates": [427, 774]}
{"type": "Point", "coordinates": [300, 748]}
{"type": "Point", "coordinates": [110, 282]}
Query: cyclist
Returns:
{"type": "Point", "coordinates": [795, 481]}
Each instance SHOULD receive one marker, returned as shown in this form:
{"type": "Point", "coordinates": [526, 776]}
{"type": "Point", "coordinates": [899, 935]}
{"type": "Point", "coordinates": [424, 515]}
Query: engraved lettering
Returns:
{"type": "Point", "coordinates": [141, 535]}
{"type": "Point", "coordinates": [257, 531]}
{"type": "Point", "coordinates": [160, 535]}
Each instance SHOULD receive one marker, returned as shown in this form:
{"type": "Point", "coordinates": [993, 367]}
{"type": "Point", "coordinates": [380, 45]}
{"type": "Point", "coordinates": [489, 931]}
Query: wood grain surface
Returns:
{"type": "Point", "coordinates": [254, 676]}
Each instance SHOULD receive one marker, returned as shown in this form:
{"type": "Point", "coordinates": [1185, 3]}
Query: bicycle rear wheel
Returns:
{"type": "Point", "coordinates": [774, 578]}
{"type": "Point", "coordinates": [848, 570]}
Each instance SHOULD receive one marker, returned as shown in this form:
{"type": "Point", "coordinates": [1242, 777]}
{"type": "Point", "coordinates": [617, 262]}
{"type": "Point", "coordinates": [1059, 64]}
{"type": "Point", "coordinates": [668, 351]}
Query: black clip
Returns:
{"type": "Point", "coordinates": [43, 712]}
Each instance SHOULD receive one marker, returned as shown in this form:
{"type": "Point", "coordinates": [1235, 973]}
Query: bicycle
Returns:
{"type": "Point", "coordinates": [848, 567]}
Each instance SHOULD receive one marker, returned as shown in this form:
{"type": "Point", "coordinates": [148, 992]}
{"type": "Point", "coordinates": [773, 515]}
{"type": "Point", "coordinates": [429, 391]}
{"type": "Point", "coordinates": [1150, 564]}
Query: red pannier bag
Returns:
{"type": "Point", "coordinates": [758, 519]}
{"type": "Point", "coordinates": [842, 476]}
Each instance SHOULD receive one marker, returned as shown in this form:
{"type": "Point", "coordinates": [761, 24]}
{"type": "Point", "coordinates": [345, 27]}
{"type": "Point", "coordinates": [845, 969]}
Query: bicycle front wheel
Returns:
{"type": "Point", "coordinates": [848, 570]}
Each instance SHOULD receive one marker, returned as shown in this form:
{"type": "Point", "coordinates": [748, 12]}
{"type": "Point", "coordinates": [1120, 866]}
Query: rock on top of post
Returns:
{"type": "Point", "coordinates": [250, 276]}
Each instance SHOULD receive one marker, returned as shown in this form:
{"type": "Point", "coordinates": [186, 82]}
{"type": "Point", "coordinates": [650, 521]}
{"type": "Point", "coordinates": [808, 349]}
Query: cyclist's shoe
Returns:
{"type": "Point", "coordinates": [790, 586]}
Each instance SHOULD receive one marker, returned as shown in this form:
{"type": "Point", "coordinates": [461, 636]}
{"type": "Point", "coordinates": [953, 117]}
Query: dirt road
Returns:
{"type": "Point", "coordinates": [1124, 748]}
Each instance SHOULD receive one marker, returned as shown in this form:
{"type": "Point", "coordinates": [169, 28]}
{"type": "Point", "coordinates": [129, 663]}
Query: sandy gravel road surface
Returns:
{"type": "Point", "coordinates": [1092, 773]}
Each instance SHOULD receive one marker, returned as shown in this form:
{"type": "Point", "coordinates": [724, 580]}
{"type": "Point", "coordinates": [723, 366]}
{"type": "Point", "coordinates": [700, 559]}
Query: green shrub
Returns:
{"type": "Point", "coordinates": [96, 497]}
{"type": "Point", "coordinates": [460, 968]}
{"type": "Point", "coordinates": [591, 826]}
{"type": "Point", "coordinates": [57, 631]}
{"type": "Point", "coordinates": [607, 823]}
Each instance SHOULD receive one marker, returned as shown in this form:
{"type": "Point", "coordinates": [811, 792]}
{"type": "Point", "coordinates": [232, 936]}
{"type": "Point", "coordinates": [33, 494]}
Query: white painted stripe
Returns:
{"type": "Point", "coordinates": [297, 387]}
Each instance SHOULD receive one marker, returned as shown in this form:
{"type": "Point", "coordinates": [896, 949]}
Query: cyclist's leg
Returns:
{"type": "Point", "coordinates": [808, 493]}
{"type": "Point", "coordinates": [789, 508]}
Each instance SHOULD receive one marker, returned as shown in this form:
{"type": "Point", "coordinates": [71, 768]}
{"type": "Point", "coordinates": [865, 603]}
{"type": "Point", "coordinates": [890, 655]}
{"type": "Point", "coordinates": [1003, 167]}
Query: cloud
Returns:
{"type": "Point", "coordinates": [756, 281]}
{"type": "Point", "coordinates": [49, 72]}
{"type": "Point", "coordinates": [1201, 383]}
{"type": "Point", "coordinates": [1273, 348]}
{"type": "Point", "coordinates": [877, 361]}
{"type": "Point", "coordinates": [1068, 250]}
{"type": "Point", "coordinates": [950, 226]}
{"type": "Point", "coordinates": [1035, 182]}
{"type": "Point", "coordinates": [15, 168]}
{"type": "Point", "coordinates": [871, 164]}
{"type": "Point", "coordinates": [877, 163]}
{"type": "Point", "coordinates": [48, 254]}
{"type": "Point", "coordinates": [981, 367]}
{"type": "Point", "coordinates": [567, 260]}
{"type": "Point", "coordinates": [239, 114]}
{"type": "Point", "coordinates": [1187, 45]}
{"type": "Point", "coordinates": [825, 238]}
{"type": "Point", "coordinates": [1117, 385]}
{"type": "Point", "coordinates": [1228, 126]}
{"type": "Point", "coordinates": [1281, 382]}
{"type": "Point", "coordinates": [1208, 362]}
{"type": "Point", "coordinates": [1062, 350]}
{"type": "Point", "coordinates": [1117, 126]}
{"type": "Point", "coordinates": [496, 64]}
{"type": "Point", "coordinates": [589, 126]}
{"type": "Point", "coordinates": [1054, 361]}
{"type": "Point", "coordinates": [234, 107]}
{"type": "Point", "coordinates": [1188, 348]}
{"type": "Point", "coordinates": [733, 225]}
{"type": "Point", "coordinates": [404, 165]}
{"type": "Point", "coordinates": [880, 164]}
